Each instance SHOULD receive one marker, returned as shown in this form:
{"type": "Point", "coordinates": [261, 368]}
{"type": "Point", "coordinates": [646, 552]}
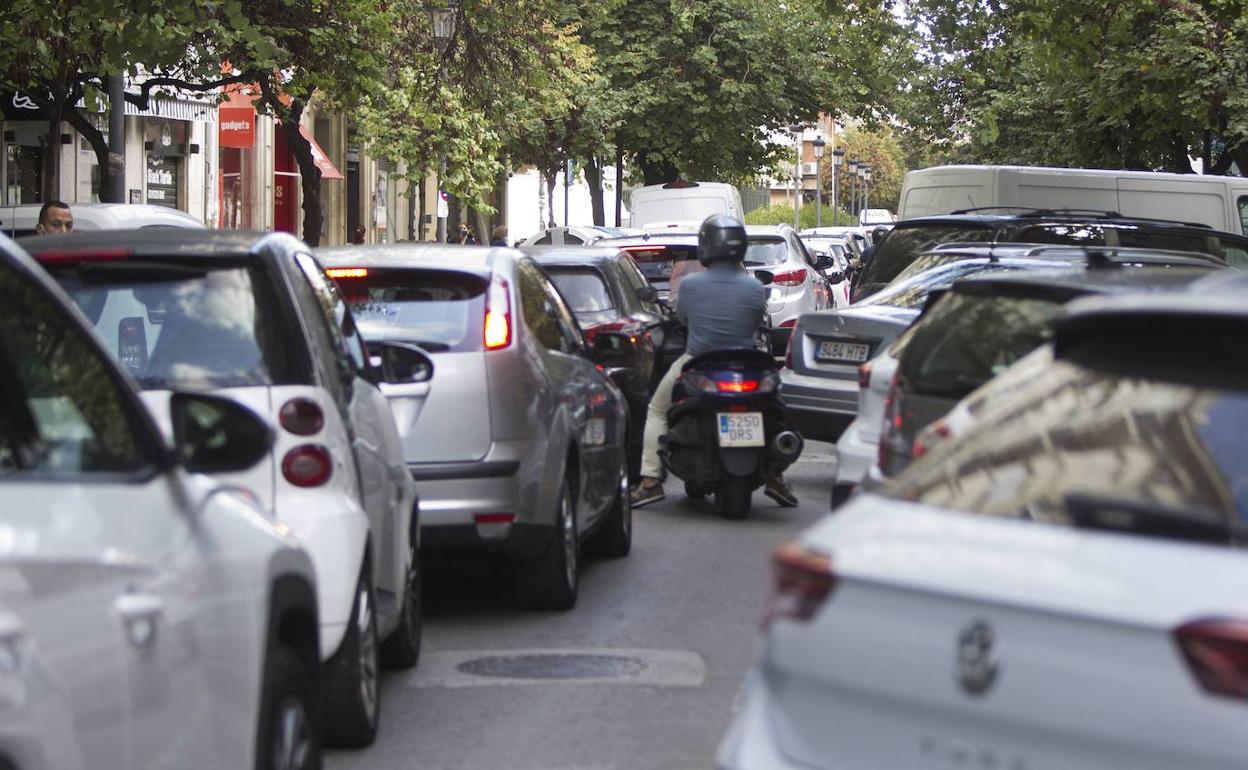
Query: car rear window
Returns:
{"type": "Point", "coordinates": [443, 311]}
{"type": "Point", "coordinates": [766, 251]}
{"type": "Point", "coordinates": [585, 291]}
{"type": "Point", "coordinates": [912, 292]}
{"type": "Point", "coordinates": [656, 262]}
{"type": "Point", "coordinates": [193, 324]}
{"type": "Point", "coordinates": [967, 339]}
{"type": "Point", "coordinates": [902, 245]}
{"type": "Point", "coordinates": [1117, 437]}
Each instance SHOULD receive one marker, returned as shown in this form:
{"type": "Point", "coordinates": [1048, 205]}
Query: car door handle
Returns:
{"type": "Point", "coordinates": [139, 614]}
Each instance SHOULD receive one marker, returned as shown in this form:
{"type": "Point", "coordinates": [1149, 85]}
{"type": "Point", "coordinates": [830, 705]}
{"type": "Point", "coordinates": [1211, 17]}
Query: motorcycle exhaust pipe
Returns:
{"type": "Point", "coordinates": [786, 446]}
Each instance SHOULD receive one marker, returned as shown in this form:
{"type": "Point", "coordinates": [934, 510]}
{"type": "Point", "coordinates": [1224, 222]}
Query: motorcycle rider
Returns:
{"type": "Point", "coordinates": [722, 308]}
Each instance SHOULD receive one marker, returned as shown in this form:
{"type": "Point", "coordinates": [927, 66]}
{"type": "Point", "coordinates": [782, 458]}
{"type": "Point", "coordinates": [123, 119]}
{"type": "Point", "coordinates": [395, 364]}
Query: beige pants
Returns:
{"type": "Point", "coordinates": [656, 419]}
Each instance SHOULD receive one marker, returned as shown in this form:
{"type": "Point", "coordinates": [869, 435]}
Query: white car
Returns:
{"type": "Point", "coordinates": [19, 221]}
{"type": "Point", "coordinates": [1061, 586]}
{"type": "Point", "coordinates": [858, 447]}
{"type": "Point", "coordinates": [254, 318]}
{"type": "Point", "coordinates": [576, 235]}
{"type": "Point", "coordinates": [150, 615]}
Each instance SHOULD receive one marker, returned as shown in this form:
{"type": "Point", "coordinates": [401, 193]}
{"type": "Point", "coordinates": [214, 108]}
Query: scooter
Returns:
{"type": "Point", "coordinates": [726, 432]}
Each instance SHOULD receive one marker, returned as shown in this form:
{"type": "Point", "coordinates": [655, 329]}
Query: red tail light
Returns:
{"type": "Point", "coordinates": [892, 423]}
{"type": "Point", "coordinates": [308, 465]}
{"type": "Point", "coordinates": [498, 325]}
{"type": "Point", "coordinates": [301, 416]}
{"type": "Point", "coordinates": [864, 376]}
{"type": "Point", "coordinates": [802, 579]}
{"type": "Point", "coordinates": [58, 256]}
{"type": "Point", "coordinates": [791, 278]}
{"type": "Point", "coordinates": [1217, 653]}
{"type": "Point", "coordinates": [928, 438]}
{"type": "Point", "coordinates": [789, 324]}
{"type": "Point", "coordinates": [736, 386]}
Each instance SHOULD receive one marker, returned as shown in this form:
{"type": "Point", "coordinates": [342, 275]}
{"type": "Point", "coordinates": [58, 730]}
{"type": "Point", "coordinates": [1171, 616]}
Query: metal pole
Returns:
{"type": "Point", "coordinates": [836, 213]}
{"type": "Point", "coordinates": [567, 182]}
{"type": "Point", "coordinates": [818, 192]}
{"type": "Point", "coordinates": [619, 182]}
{"type": "Point", "coordinates": [116, 192]}
{"type": "Point", "coordinates": [797, 180]}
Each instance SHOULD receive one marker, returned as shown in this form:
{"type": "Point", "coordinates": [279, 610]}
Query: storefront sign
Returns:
{"type": "Point", "coordinates": [162, 180]}
{"type": "Point", "coordinates": [237, 127]}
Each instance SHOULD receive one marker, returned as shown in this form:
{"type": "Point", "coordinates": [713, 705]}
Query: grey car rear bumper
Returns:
{"type": "Point", "coordinates": [819, 408]}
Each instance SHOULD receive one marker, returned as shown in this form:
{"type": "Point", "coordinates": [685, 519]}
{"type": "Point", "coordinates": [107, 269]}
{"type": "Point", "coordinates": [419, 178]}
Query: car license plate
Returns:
{"type": "Point", "coordinates": [851, 352]}
{"type": "Point", "coordinates": [741, 429]}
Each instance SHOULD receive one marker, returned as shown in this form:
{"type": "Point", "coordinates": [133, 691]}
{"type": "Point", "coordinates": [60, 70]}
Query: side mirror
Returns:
{"type": "Point", "coordinates": [612, 349]}
{"type": "Point", "coordinates": [765, 277]}
{"type": "Point", "coordinates": [212, 434]}
{"type": "Point", "coordinates": [824, 262]}
{"type": "Point", "coordinates": [402, 363]}
{"type": "Point", "coordinates": [835, 277]}
{"type": "Point", "coordinates": [647, 294]}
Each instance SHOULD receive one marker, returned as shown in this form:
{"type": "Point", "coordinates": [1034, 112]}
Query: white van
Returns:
{"type": "Point", "coordinates": [683, 203]}
{"type": "Point", "coordinates": [1221, 202]}
{"type": "Point", "coordinates": [17, 221]}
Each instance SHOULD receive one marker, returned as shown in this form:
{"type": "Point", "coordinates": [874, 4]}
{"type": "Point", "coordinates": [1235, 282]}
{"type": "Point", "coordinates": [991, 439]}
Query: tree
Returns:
{"type": "Point", "coordinates": [881, 151]}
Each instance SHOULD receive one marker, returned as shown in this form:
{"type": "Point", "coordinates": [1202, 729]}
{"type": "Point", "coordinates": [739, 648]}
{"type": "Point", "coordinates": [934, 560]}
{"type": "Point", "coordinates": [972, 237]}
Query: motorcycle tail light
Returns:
{"type": "Point", "coordinates": [308, 465]}
{"type": "Point", "coordinates": [737, 386]}
{"type": "Point", "coordinates": [802, 579]}
{"type": "Point", "coordinates": [1216, 651]}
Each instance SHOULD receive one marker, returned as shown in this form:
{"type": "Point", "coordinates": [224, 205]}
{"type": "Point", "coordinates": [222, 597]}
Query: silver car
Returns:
{"type": "Point", "coordinates": [515, 438]}
{"type": "Point", "coordinates": [800, 281]}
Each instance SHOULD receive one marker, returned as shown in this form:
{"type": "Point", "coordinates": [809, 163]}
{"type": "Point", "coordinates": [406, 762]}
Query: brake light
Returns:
{"type": "Point", "coordinates": [892, 423]}
{"type": "Point", "coordinates": [646, 253]}
{"type": "Point", "coordinates": [802, 580]}
{"type": "Point", "coordinates": [498, 315]}
{"type": "Point", "coordinates": [736, 386]}
{"type": "Point", "coordinates": [307, 465]}
{"type": "Point", "coordinates": [791, 278]}
{"type": "Point", "coordinates": [1216, 651]}
{"type": "Point", "coordinates": [347, 272]}
{"type": "Point", "coordinates": [929, 437]}
{"type": "Point", "coordinates": [301, 416]}
{"type": "Point", "coordinates": [864, 376]}
{"type": "Point", "coordinates": [56, 256]}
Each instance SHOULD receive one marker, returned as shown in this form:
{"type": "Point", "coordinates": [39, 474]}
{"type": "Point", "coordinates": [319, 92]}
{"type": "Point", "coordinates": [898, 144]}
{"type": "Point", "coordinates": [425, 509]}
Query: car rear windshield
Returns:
{"type": "Point", "coordinates": [443, 311]}
{"type": "Point", "coordinates": [902, 245]}
{"type": "Point", "coordinates": [967, 339]}
{"type": "Point", "coordinates": [1127, 442]}
{"type": "Point", "coordinates": [766, 251]}
{"type": "Point", "coordinates": [585, 291]}
{"type": "Point", "coordinates": [656, 262]}
{"type": "Point", "coordinates": [912, 292]}
{"type": "Point", "coordinates": [192, 324]}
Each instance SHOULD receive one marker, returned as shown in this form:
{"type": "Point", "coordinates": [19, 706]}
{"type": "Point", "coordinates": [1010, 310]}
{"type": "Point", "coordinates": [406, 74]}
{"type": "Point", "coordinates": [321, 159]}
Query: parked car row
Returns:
{"type": "Point", "coordinates": [212, 448]}
{"type": "Point", "coordinates": [1034, 568]}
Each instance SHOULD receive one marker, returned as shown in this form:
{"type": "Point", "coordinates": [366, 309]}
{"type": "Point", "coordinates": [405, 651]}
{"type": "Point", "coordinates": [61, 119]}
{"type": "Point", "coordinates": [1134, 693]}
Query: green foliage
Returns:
{"type": "Point", "coordinates": [782, 214]}
{"type": "Point", "coordinates": [880, 150]}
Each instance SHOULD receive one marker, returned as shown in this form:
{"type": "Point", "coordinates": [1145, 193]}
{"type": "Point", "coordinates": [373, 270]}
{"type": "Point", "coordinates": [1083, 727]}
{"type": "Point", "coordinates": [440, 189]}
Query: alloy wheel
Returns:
{"type": "Point", "coordinates": [292, 740]}
{"type": "Point", "coordinates": [567, 523]}
{"type": "Point", "coordinates": [365, 621]}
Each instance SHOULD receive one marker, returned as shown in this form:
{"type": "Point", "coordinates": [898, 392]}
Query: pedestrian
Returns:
{"type": "Point", "coordinates": [722, 308]}
{"type": "Point", "coordinates": [498, 236]}
{"type": "Point", "coordinates": [466, 236]}
{"type": "Point", "coordinates": [55, 217]}
{"type": "Point", "coordinates": [358, 235]}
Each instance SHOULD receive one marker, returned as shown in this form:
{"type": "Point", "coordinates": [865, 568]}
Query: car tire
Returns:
{"type": "Point", "coordinates": [402, 648]}
{"type": "Point", "coordinates": [841, 493]}
{"type": "Point", "coordinates": [288, 737]}
{"type": "Point", "coordinates": [550, 581]}
{"type": "Point", "coordinates": [695, 491]}
{"type": "Point", "coordinates": [614, 539]}
{"type": "Point", "coordinates": [732, 499]}
{"type": "Point", "coordinates": [352, 682]}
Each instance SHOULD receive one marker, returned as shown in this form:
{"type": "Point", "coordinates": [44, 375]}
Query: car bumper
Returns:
{"type": "Point", "coordinates": [855, 455]}
{"type": "Point", "coordinates": [750, 742]}
{"type": "Point", "coordinates": [819, 408]}
{"type": "Point", "coordinates": [453, 495]}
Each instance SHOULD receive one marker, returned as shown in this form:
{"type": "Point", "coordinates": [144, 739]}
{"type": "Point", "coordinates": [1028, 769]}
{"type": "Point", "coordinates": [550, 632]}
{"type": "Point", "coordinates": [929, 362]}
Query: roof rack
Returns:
{"type": "Point", "coordinates": [1041, 213]}
{"type": "Point", "coordinates": [975, 209]}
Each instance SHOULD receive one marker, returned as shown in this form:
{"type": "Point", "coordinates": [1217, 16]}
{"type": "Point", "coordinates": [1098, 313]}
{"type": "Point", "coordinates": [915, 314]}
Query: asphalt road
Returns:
{"type": "Point", "coordinates": [642, 675]}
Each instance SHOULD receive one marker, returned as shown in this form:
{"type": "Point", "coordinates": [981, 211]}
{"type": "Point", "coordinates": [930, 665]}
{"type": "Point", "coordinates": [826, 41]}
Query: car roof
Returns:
{"type": "Point", "coordinates": [165, 242]}
{"type": "Point", "coordinates": [426, 256]}
{"type": "Point", "coordinates": [571, 255]}
{"type": "Point", "coordinates": [660, 238]}
{"type": "Point", "coordinates": [1111, 254]}
{"type": "Point", "coordinates": [1067, 283]}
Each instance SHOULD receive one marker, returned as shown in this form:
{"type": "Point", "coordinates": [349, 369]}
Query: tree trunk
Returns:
{"type": "Point", "coordinates": [309, 176]}
{"type": "Point", "coordinates": [483, 227]}
{"type": "Point", "coordinates": [656, 171]}
{"type": "Point", "coordinates": [593, 177]}
{"type": "Point", "coordinates": [500, 196]}
{"type": "Point", "coordinates": [551, 181]}
{"type": "Point", "coordinates": [95, 138]}
{"type": "Point", "coordinates": [52, 157]}
{"type": "Point", "coordinates": [454, 217]}
{"type": "Point", "coordinates": [421, 228]}
{"type": "Point", "coordinates": [619, 183]}
{"type": "Point", "coordinates": [1179, 162]}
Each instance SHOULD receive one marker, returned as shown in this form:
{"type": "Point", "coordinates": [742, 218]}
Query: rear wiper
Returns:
{"type": "Point", "coordinates": [1141, 517]}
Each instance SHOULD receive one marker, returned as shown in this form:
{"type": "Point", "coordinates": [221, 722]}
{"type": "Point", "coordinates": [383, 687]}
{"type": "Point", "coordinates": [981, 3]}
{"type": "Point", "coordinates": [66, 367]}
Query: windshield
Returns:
{"type": "Point", "coordinates": [766, 251]}
{"type": "Point", "coordinates": [442, 311]}
{"type": "Point", "coordinates": [1072, 434]}
{"type": "Point", "coordinates": [902, 245]}
{"type": "Point", "coordinates": [187, 325]}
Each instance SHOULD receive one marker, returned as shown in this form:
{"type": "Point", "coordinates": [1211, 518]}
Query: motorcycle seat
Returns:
{"type": "Point", "coordinates": [745, 356]}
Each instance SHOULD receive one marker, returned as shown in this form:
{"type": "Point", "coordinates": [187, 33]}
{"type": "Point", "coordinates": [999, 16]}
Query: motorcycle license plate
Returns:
{"type": "Point", "coordinates": [741, 429]}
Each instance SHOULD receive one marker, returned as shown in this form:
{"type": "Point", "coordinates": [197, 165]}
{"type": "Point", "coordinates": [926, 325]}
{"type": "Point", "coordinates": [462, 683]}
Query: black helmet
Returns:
{"type": "Point", "coordinates": [721, 238]}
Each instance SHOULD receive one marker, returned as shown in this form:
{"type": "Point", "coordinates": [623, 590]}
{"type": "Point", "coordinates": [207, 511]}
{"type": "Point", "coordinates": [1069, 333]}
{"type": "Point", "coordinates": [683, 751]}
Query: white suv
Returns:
{"type": "Point", "coordinates": [152, 616]}
{"type": "Point", "coordinates": [254, 318]}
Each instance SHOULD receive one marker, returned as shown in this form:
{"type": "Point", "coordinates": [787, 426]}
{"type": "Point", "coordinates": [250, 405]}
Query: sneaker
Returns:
{"type": "Point", "coordinates": [777, 490]}
{"type": "Point", "coordinates": [644, 494]}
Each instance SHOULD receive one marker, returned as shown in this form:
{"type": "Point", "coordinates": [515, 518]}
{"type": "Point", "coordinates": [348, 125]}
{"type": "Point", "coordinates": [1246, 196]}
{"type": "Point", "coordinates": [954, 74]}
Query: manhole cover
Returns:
{"type": "Point", "coordinates": [566, 666]}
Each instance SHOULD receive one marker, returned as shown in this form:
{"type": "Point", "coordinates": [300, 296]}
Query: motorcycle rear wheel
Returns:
{"type": "Point", "coordinates": [732, 499]}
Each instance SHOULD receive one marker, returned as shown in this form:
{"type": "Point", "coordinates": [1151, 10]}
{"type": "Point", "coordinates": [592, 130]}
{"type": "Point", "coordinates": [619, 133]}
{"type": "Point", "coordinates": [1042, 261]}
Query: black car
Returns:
{"type": "Point", "coordinates": [1080, 228]}
{"type": "Point", "coordinates": [979, 328]}
{"type": "Point", "coordinates": [608, 293]}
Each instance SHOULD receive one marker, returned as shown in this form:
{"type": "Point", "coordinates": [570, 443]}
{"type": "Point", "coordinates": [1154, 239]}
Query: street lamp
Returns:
{"type": "Point", "coordinates": [442, 19]}
{"type": "Point", "coordinates": [862, 189]}
{"type": "Point", "coordinates": [853, 188]}
{"type": "Point", "coordinates": [838, 157]}
{"type": "Point", "coordinates": [818, 145]}
{"type": "Point", "coordinates": [796, 130]}
{"type": "Point", "coordinates": [866, 190]}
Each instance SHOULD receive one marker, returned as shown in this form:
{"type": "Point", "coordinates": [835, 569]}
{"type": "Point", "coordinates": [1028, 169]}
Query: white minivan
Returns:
{"type": "Point", "coordinates": [683, 203]}
{"type": "Point", "coordinates": [1221, 202]}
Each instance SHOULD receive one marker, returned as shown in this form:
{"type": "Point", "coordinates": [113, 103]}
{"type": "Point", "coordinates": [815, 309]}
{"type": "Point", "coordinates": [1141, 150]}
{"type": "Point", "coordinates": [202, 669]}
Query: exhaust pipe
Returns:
{"type": "Point", "coordinates": [786, 446]}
